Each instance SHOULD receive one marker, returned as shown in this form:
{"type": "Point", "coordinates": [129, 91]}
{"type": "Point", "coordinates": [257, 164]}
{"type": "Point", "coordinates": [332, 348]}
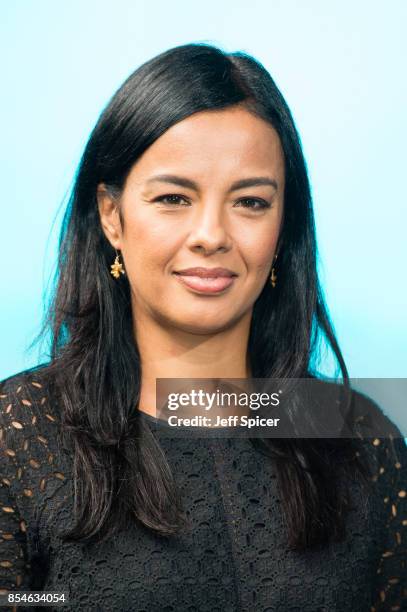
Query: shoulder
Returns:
{"type": "Point", "coordinates": [28, 393]}
{"type": "Point", "coordinates": [31, 380]}
{"type": "Point", "coordinates": [361, 412]}
{"type": "Point", "coordinates": [380, 435]}
{"type": "Point", "coordinates": [28, 404]}
{"type": "Point", "coordinates": [382, 444]}
{"type": "Point", "coordinates": [378, 440]}
{"type": "Point", "coordinates": [35, 471]}
{"type": "Point", "coordinates": [29, 419]}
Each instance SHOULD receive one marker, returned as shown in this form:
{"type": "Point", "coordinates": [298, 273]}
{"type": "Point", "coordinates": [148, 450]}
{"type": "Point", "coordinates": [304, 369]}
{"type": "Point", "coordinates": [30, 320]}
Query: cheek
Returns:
{"type": "Point", "coordinates": [147, 245]}
{"type": "Point", "coordinates": [258, 250]}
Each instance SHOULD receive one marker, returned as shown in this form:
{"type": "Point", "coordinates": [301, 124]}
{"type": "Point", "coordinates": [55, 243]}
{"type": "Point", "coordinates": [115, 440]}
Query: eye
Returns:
{"type": "Point", "coordinates": [172, 199]}
{"type": "Point", "coordinates": [254, 203]}
{"type": "Point", "coordinates": [176, 200]}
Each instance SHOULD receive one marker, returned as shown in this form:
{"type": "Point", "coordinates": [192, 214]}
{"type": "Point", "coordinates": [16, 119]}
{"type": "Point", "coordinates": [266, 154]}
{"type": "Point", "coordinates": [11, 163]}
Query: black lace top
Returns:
{"type": "Point", "coordinates": [234, 558]}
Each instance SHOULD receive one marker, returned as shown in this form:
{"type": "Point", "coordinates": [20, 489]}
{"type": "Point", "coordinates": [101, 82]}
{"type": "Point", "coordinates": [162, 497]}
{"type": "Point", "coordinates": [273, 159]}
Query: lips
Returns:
{"type": "Point", "coordinates": [206, 280]}
{"type": "Point", "coordinates": [207, 272]}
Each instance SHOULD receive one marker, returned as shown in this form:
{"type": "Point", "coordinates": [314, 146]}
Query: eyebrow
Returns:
{"type": "Point", "coordinates": [254, 181]}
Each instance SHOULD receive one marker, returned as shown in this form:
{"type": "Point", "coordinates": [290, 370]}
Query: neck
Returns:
{"type": "Point", "coordinates": [174, 353]}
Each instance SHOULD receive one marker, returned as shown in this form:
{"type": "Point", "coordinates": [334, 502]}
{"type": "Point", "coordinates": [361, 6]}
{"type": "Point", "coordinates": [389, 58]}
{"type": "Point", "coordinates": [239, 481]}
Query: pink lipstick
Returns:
{"type": "Point", "coordinates": [206, 280]}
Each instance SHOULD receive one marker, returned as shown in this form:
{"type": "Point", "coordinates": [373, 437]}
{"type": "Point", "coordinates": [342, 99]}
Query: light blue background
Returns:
{"type": "Point", "coordinates": [341, 67]}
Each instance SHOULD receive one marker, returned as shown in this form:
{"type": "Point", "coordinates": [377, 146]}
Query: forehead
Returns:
{"type": "Point", "coordinates": [215, 143]}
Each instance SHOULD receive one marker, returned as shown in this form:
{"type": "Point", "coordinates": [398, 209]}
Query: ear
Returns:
{"type": "Point", "coordinates": [109, 216]}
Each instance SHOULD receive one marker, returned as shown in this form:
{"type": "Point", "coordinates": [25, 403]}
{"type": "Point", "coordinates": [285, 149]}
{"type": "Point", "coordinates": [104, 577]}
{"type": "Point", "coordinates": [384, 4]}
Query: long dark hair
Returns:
{"type": "Point", "coordinates": [120, 472]}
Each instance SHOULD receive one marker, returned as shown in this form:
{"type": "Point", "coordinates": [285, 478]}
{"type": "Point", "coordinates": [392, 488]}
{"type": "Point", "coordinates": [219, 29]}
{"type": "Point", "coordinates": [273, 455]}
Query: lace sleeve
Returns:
{"type": "Point", "coordinates": [14, 566]}
{"type": "Point", "coordinates": [13, 543]}
{"type": "Point", "coordinates": [390, 593]}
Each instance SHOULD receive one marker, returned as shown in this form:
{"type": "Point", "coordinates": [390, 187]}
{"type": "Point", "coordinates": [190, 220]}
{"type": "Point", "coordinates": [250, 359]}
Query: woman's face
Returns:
{"type": "Point", "coordinates": [209, 194]}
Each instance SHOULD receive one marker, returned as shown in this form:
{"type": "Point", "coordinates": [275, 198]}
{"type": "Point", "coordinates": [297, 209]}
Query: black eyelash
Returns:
{"type": "Point", "coordinates": [263, 203]}
{"type": "Point", "coordinates": [170, 195]}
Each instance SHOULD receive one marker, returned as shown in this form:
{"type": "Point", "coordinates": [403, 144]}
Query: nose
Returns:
{"type": "Point", "coordinates": [208, 230]}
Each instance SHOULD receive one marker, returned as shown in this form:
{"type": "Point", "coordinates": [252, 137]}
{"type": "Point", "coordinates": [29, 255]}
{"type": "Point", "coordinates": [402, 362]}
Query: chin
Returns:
{"type": "Point", "coordinates": [202, 330]}
{"type": "Point", "coordinates": [201, 324]}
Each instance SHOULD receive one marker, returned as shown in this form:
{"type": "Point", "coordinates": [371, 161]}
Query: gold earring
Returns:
{"type": "Point", "coordinates": [273, 277]}
{"type": "Point", "coordinates": [117, 267]}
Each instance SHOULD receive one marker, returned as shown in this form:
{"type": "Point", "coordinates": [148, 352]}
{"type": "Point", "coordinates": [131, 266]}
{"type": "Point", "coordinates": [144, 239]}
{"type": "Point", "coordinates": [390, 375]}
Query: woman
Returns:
{"type": "Point", "coordinates": [194, 163]}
